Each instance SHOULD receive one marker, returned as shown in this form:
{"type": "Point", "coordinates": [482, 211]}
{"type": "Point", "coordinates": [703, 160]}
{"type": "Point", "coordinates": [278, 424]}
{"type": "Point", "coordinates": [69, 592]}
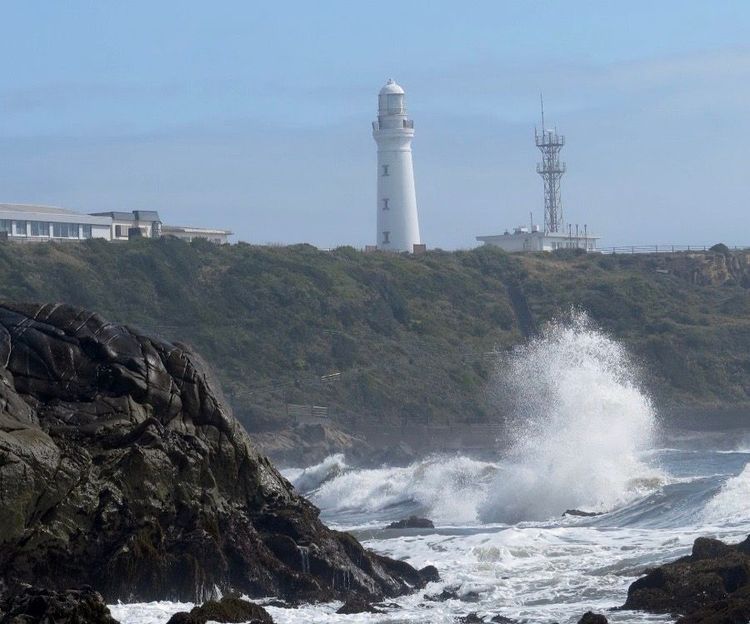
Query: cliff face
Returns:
{"type": "Point", "coordinates": [121, 468]}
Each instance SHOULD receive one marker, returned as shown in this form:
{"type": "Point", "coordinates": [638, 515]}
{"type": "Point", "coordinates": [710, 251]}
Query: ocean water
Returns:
{"type": "Point", "coordinates": [583, 436]}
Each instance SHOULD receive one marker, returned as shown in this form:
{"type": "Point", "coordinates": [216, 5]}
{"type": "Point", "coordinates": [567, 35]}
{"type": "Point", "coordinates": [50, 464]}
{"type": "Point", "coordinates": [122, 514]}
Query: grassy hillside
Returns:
{"type": "Point", "coordinates": [409, 335]}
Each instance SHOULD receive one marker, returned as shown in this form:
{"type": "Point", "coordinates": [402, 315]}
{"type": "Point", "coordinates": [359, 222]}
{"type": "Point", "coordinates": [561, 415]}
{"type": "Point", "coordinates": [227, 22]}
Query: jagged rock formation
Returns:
{"type": "Point", "coordinates": [709, 586]}
{"type": "Point", "coordinates": [122, 468]}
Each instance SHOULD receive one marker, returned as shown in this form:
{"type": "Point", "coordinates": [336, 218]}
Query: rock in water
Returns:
{"type": "Point", "coordinates": [28, 605]}
{"type": "Point", "coordinates": [412, 522]}
{"type": "Point", "coordinates": [357, 605]}
{"type": "Point", "coordinates": [122, 468]}
{"type": "Point", "coordinates": [709, 586]}
{"type": "Point", "coordinates": [592, 618]}
{"type": "Point", "coordinates": [228, 609]}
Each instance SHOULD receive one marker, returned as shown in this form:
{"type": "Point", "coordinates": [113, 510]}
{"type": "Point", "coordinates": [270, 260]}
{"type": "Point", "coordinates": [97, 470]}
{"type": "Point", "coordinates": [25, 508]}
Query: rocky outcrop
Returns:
{"type": "Point", "coordinates": [228, 609]}
{"type": "Point", "coordinates": [122, 468]}
{"type": "Point", "coordinates": [709, 586]}
{"type": "Point", "coordinates": [592, 618]}
{"type": "Point", "coordinates": [27, 605]}
{"type": "Point", "coordinates": [412, 522]}
{"type": "Point", "coordinates": [357, 605]}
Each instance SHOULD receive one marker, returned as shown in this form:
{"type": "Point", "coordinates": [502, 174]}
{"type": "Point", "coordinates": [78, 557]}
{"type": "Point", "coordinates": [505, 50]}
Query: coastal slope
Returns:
{"type": "Point", "coordinates": [395, 339]}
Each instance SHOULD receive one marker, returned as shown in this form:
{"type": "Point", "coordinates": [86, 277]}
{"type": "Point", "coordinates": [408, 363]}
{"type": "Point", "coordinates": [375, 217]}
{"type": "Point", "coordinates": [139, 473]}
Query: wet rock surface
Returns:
{"type": "Point", "coordinates": [122, 468]}
{"type": "Point", "coordinates": [592, 618]}
{"type": "Point", "coordinates": [228, 609]}
{"type": "Point", "coordinates": [27, 605]}
{"type": "Point", "coordinates": [357, 605]}
{"type": "Point", "coordinates": [709, 586]}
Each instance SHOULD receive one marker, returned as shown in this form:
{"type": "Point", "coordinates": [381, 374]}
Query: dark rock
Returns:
{"type": "Point", "coordinates": [182, 617]}
{"type": "Point", "coordinates": [412, 522]}
{"type": "Point", "coordinates": [472, 618]}
{"type": "Point", "coordinates": [430, 574]}
{"type": "Point", "coordinates": [228, 609]}
{"type": "Point", "coordinates": [582, 514]}
{"type": "Point", "coordinates": [357, 605]}
{"type": "Point", "coordinates": [501, 619]}
{"type": "Point", "coordinates": [592, 618]}
{"type": "Point", "coordinates": [446, 594]}
{"type": "Point", "coordinates": [123, 469]}
{"type": "Point", "coordinates": [711, 585]}
{"type": "Point", "coordinates": [30, 605]}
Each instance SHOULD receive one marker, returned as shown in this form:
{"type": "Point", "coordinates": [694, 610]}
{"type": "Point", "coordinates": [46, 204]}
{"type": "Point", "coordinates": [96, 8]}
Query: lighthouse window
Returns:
{"type": "Point", "coordinates": [385, 205]}
{"type": "Point", "coordinates": [386, 238]}
{"type": "Point", "coordinates": [385, 171]}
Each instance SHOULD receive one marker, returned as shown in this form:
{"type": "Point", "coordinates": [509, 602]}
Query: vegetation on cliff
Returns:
{"type": "Point", "coordinates": [411, 336]}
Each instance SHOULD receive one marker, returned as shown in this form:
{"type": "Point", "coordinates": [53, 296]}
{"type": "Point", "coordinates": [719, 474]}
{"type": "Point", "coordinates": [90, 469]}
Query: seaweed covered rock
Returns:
{"type": "Point", "coordinates": [28, 605]}
{"type": "Point", "coordinates": [709, 586]}
{"type": "Point", "coordinates": [122, 468]}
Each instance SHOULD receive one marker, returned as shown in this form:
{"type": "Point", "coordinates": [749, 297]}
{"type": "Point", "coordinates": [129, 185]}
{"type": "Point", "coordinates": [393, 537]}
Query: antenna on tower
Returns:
{"type": "Point", "coordinates": [541, 101]}
{"type": "Point", "coordinates": [551, 169]}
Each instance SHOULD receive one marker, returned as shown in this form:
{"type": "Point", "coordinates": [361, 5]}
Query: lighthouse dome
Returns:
{"type": "Point", "coordinates": [391, 99]}
{"type": "Point", "coordinates": [392, 87]}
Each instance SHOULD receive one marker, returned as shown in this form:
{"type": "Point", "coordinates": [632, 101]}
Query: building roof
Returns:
{"type": "Point", "coordinates": [391, 87]}
{"type": "Point", "coordinates": [184, 229]}
{"type": "Point", "coordinates": [34, 212]}
{"type": "Point", "coordinates": [37, 209]}
{"type": "Point", "coordinates": [135, 215]}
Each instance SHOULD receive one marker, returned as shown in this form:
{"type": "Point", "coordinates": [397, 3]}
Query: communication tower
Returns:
{"type": "Point", "coordinates": [551, 169]}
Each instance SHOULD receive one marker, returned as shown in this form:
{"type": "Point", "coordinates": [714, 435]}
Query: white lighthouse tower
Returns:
{"type": "Point", "coordinates": [398, 223]}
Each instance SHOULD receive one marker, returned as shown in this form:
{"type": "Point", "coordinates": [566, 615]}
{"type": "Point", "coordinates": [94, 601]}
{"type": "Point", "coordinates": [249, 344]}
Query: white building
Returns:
{"type": "Point", "coordinates": [121, 223]}
{"type": "Point", "coordinates": [525, 238]}
{"type": "Point", "coordinates": [29, 222]}
{"type": "Point", "coordinates": [186, 233]}
{"type": "Point", "coordinates": [397, 220]}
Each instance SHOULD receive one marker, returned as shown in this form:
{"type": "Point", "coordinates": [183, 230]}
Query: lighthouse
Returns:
{"type": "Point", "coordinates": [397, 220]}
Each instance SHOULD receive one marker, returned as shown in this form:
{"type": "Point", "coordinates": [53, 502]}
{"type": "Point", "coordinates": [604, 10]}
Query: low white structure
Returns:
{"type": "Point", "coordinates": [532, 238]}
{"type": "Point", "coordinates": [188, 234]}
{"type": "Point", "coordinates": [122, 224]}
{"type": "Point", "coordinates": [29, 222]}
{"type": "Point", "coordinates": [397, 219]}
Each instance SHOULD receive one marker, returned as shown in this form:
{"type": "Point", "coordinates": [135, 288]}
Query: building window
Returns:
{"type": "Point", "coordinates": [65, 230]}
{"type": "Point", "coordinates": [5, 225]}
{"type": "Point", "coordinates": [385, 171]}
{"type": "Point", "coordinates": [20, 228]}
{"type": "Point", "coordinates": [86, 230]}
{"type": "Point", "coordinates": [386, 238]}
{"type": "Point", "coordinates": [121, 231]}
{"type": "Point", "coordinates": [39, 228]}
{"type": "Point", "coordinates": [385, 205]}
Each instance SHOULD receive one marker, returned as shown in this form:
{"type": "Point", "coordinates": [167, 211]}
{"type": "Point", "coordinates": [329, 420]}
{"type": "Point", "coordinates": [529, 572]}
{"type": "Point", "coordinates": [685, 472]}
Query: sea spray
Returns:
{"type": "Point", "coordinates": [312, 477]}
{"type": "Point", "coordinates": [578, 421]}
{"type": "Point", "coordinates": [448, 489]}
{"type": "Point", "coordinates": [730, 503]}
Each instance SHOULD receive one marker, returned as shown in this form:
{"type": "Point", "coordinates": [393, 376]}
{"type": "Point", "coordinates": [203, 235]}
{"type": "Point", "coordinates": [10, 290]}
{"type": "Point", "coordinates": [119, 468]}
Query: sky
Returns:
{"type": "Point", "coordinates": [256, 116]}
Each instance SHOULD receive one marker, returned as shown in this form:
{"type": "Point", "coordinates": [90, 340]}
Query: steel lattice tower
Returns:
{"type": "Point", "coordinates": [551, 169]}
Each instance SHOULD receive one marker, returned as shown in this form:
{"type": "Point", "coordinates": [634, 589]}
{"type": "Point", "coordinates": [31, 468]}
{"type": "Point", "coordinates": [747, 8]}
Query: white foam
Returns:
{"type": "Point", "coordinates": [730, 504]}
{"type": "Point", "coordinates": [311, 478]}
{"type": "Point", "coordinates": [579, 424]}
{"type": "Point", "coordinates": [448, 489]}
